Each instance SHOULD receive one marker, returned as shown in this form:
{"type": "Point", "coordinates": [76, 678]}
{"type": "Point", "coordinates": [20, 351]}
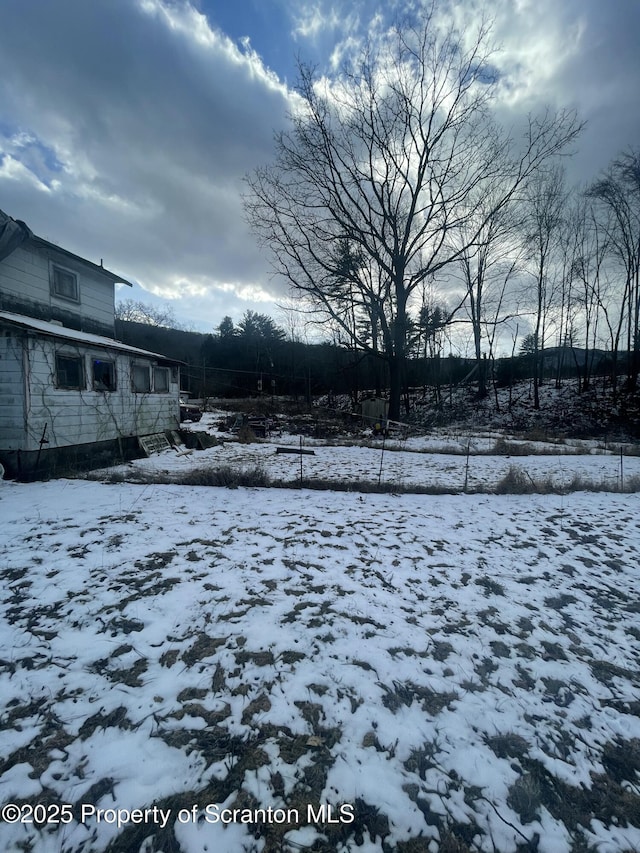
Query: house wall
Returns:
{"type": "Point", "coordinates": [25, 288]}
{"type": "Point", "coordinates": [75, 417]}
{"type": "Point", "coordinates": [12, 428]}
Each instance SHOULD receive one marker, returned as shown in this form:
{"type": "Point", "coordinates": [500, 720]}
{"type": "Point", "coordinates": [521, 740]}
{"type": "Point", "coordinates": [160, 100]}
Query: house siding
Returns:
{"type": "Point", "coordinates": [85, 416]}
{"type": "Point", "coordinates": [45, 427]}
{"type": "Point", "coordinates": [25, 288]}
{"type": "Point", "coordinates": [12, 412]}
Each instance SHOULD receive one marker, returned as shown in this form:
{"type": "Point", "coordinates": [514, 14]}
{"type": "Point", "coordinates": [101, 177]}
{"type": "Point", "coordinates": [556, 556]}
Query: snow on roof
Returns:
{"type": "Point", "coordinates": [56, 331]}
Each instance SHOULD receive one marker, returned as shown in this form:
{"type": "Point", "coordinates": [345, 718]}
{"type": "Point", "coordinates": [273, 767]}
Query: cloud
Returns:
{"type": "Point", "coordinates": [15, 170]}
{"type": "Point", "coordinates": [139, 120]}
{"type": "Point", "coordinates": [577, 54]}
{"type": "Point", "coordinates": [311, 20]}
{"type": "Point", "coordinates": [126, 126]}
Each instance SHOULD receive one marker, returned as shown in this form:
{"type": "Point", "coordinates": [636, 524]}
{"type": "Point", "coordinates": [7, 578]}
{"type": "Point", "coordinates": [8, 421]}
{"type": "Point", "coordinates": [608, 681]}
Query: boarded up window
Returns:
{"type": "Point", "coordinates": [104, 375]}
{"type": "Point", "coordinates": [140, 379]}
{"type": "Point", "coordinates": [161, 380]}
{"type": "Point", "coordinates": [65, 284]}
{"type": "Point", "coordinates": [69, 372]}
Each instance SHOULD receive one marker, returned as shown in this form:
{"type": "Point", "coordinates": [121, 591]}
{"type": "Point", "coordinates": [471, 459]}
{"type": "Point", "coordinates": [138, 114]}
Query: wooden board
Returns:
{"type": "Point", "coordinates": [154, 443]}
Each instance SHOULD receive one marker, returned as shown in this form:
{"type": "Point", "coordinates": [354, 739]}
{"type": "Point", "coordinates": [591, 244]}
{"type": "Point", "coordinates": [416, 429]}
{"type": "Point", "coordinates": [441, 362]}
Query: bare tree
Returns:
{"type": "Point", "coordinates": [134, 311]}
{"type": "Point", "coordinates": [588, 249]}
{"type": "Point", "coordinates": [386, 157]}
{"type": "Point", "coordinates": [613, 300]}
{"type": "Point", "coordinates": [618, 193]}
{"type": "Point", "coordinates": [491, 249]}
{"type": "Point", "coordinates": [546, 200]}
{"type": "Point", "coordinates": [565, 307]}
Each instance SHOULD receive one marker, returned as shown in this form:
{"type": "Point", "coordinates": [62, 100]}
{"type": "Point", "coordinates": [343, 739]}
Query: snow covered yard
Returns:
{"type": "Point", "coordinates": [426, 463]}
{"type": "Point", "coordinates": [456, 672]}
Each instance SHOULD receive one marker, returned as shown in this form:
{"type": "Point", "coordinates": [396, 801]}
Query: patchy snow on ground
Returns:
{"type": "Point", "coordinates": [251, 670]}
{"type": "Point", "coordinates": [418, 462]}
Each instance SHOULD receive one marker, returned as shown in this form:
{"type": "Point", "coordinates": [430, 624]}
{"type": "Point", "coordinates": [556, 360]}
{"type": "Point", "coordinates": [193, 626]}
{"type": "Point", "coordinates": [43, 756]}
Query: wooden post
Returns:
{"type": "Point", "coordinates": [384, 438]}
{"type": "Point", "coordinates": [300, 461]}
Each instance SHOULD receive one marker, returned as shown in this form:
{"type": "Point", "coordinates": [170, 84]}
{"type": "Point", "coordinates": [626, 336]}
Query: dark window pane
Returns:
{"type": "Point", "coordinates": [104, 375]}
{"type": "Point", "coordinates": [140, 379]}
{"type": "Point", "coordinates": [69, 372]}
{"type": "Point", "coordinates": [65, 284]}
{"type": "Point", "coordinates": [160, 380]}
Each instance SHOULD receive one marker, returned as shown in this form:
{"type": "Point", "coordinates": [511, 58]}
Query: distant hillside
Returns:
{"type": "Point", "coordinates": [236, 366]}
{"type": "Point", "coordinates": [174, 343]}
{"type": "Point", "coordinates": [244, 366]}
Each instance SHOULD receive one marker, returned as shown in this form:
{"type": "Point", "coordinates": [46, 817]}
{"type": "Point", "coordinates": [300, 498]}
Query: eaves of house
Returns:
{"type": "Point", "coordinates": [56, 330]}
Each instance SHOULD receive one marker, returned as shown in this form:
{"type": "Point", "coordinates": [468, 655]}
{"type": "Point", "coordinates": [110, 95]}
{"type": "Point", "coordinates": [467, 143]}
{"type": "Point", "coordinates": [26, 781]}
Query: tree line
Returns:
{"type": "Point", "coordinates": [259, 358]}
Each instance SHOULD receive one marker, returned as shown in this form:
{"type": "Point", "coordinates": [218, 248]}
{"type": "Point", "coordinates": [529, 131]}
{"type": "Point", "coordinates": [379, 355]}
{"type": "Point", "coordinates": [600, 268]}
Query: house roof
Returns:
{"type": "Point", "coordinates": [55, 331]}
{"type": "Point", "coordinates": [45, 244]}
{"type": "Point", "coordinates": [14, 232]}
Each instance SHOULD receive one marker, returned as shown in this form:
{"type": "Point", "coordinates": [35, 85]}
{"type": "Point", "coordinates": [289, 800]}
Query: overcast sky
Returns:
{"type": "Point", "coordinates": [127, 126]}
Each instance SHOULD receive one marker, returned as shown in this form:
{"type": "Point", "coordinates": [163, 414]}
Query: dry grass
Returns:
{"type": "Point", "coordinates": [514, 482]}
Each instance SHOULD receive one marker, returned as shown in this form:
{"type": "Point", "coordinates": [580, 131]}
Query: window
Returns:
{"type": "Point", "coordinates": [161, 380]}
{"type": "Point", "coordinates": [69, 372]}
{"type": "Point", "coordinates": [104, 375]}
{"type": "Point", "coordinates": [64, 284]}
{"type": "Point", "coordinates": [140, 379]}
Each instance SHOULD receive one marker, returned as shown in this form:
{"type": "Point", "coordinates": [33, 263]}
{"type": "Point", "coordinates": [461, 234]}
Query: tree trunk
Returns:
{"type": "Point", "coordinates": [395, 387]}
{"type": "Point", "coordinates": [398, 358]}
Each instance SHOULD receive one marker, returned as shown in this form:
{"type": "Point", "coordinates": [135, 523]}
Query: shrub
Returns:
{"type": "Point", "coordinates": [502, 447]}
{"type": "Point", "coordinates": [515, 482]}
{"type": "Point", "coordinates": [225, 476]}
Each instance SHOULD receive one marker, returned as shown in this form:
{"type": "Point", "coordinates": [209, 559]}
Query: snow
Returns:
{"type": "Point", "coordinates": [444, 460]}
{"type": "Point", "coordinates": [437, 662]}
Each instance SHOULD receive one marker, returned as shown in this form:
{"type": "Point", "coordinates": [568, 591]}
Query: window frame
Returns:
{"type": "Point", "coordinates": [112, 365]}
{"type": "Point", "coordinates": [139, 366]}
{"type": "Point", "coordinates": [58, 268]}
{"type": "Point", "coordinates": [165, 372]}
{"type": "Point", "coordinates": [82, 379]}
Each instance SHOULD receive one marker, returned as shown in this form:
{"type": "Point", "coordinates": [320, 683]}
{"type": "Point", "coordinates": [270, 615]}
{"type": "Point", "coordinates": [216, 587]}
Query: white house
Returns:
{"type": "Point", "coordinates": [70, 394]}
